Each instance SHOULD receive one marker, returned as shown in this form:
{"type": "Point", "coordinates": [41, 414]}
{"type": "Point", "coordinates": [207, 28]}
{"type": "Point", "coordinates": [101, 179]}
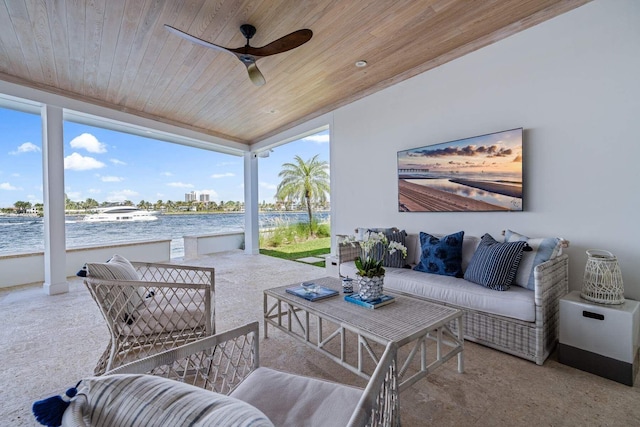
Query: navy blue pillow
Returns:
{"type": "Point", "coordinates": [494, 264]}
{"type": "Point", "coordinates": [441, 255]}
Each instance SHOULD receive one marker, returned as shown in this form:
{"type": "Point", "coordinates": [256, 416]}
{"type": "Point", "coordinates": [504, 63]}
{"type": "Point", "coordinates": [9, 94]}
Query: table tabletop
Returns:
{"type": "Point", "coordinates": [401, 322]}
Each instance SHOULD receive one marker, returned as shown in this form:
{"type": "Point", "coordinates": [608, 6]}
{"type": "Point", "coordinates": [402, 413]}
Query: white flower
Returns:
{"type": "Point", "coordinates": [368, 264]}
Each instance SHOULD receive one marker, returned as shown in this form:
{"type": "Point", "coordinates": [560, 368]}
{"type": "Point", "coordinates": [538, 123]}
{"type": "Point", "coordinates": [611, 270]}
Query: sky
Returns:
{"type": "Point", "coordinates": [111, 166]}
{"type": "Point", "coordinates": [498, 152]}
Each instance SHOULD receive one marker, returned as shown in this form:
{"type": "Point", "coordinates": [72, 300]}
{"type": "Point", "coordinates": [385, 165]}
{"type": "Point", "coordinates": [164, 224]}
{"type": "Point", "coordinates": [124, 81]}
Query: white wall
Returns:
{"type": "Point", "coordinates": [24, 268]}
{"type": "Point", "coordinates": [573, 84]}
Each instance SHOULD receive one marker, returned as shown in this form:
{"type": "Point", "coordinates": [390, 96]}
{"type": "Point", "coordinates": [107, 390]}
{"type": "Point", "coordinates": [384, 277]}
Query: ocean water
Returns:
{"type": "Point", "coordinates": [26, 234]}
{"type": "Point", "coordinates": [513, 203]}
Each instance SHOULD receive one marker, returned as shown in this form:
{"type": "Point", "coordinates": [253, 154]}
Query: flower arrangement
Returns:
{"type": "Point", "coordinates": [373, 247]}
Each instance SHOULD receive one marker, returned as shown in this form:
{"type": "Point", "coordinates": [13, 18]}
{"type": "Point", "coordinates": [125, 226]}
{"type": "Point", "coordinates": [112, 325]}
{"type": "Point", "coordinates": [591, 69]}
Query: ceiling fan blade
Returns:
{"type": "Point", "coordinates": [255, 75]}
{"type": "Point", "coordinates": [283, 44]}
{"type": "Point", "coordinates": [197, 40]}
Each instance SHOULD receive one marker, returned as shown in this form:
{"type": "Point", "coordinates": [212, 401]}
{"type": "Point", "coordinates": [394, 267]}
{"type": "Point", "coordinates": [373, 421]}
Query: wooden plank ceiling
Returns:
{"type": "Point", "coordinates": [117, 53]}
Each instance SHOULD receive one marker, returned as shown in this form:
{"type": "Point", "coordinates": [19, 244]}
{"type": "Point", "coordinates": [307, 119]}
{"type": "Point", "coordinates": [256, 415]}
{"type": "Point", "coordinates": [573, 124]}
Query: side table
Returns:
{"type": "Point", "coordinates": [331, 266]}
{"type": "Point", "coordinates": [600, 339]}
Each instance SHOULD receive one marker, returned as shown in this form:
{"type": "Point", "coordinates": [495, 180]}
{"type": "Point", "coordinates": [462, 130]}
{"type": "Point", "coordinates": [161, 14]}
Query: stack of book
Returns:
{"type": "Point", "coordinates": [376, 303]}
{"type": "Point", "coordinates": [318, 293]}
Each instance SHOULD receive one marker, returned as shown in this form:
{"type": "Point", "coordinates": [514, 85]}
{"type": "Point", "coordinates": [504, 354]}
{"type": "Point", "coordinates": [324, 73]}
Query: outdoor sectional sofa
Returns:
{"type": "Point", "coordinates": [519, 321]}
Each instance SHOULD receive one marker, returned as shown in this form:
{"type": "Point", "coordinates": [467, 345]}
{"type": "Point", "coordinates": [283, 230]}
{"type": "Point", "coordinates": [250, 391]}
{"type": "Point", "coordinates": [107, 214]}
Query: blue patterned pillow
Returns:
{"type": "Point", "coordinates": [494, 265]}
{"type": "Point", "coordinates": [541, 250]}
{"type": "Point", "coordinates": [441, 255]}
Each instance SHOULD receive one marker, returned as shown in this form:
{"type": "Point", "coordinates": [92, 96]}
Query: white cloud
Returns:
{"type": "Point", "coordinates": [8, 187]}
{"type": "Point", "coordinates": [16, 175]}
{"type": "Point", "coordinates": [76, 196]}
{"type": "Point", "coordinates": [77, 162]}
{"type": "Point", "coordinates": [180, 185]}
{"type": "Point", "coordinates": [268, 186]}
{"type": "Point", "coordinates": [213, 194]}
{"type": "Point", "coordinates": [117, 162]}
{"type": "Point", "coordinates": [166, 174]}
{"type": "Point", "coordinates": [89, 143]}
{"type": "Point", "coordinates": [318, 139]}
{"type": "Point", "coordinates": [111, 179]}
{"type": "Point", "coordinates": [95, 191]}
{"type": "Point", "coordinates": [122, 195]}
{"type": "Point", "coordinates": [222, 175]}
{"type": "Point", "coordinates": [26, 148]}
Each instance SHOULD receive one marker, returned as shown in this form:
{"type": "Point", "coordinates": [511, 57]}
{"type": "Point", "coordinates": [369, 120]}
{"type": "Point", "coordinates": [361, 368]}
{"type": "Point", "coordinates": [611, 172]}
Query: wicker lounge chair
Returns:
{"type": "Point", "coordinates": [171, 305]}
{"type": "Point", "coordinates": [228, 363]}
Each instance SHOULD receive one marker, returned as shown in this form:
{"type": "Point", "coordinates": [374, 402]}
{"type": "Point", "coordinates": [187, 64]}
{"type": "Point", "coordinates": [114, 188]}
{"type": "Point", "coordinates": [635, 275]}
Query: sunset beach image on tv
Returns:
{"type": "Point", "coordinates": [481, 173]}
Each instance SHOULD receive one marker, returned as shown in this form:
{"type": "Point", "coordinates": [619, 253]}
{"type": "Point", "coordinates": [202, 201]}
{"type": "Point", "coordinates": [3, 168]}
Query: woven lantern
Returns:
{"type": "Point", "coordinates": [602, 278]}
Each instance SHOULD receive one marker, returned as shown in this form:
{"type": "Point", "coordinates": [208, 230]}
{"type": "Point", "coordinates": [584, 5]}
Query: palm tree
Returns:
{"type": "Point", "coordinates": [304, 182]}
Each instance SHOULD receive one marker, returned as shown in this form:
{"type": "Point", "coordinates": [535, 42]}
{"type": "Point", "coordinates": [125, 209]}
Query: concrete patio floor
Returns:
{"type": "Point", "coordinates": [48, 343]}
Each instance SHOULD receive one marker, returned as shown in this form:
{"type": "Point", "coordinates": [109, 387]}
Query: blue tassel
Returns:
{"type": "Point", "coordinates": [49, 411]}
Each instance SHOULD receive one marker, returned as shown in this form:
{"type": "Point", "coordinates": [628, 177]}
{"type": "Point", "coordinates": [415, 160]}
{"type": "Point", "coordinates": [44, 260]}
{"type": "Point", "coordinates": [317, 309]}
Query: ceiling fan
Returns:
{"type": "Point", "coordinates": [248, 55]}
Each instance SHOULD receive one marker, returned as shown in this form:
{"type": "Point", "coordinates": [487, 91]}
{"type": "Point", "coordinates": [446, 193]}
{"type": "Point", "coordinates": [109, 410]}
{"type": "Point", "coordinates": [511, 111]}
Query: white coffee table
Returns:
{"type": "Point", "coordinates": [407, 322]}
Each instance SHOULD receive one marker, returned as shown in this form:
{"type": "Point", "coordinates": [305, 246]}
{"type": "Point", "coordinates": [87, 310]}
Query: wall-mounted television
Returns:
{"type": "Point", "coordinates": [477, 174]}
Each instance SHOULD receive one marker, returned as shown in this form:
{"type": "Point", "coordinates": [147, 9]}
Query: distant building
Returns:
{"type": "Point", "coordinates": [204, 198]}
{"type": "Point", "coordinates": [190, 197]}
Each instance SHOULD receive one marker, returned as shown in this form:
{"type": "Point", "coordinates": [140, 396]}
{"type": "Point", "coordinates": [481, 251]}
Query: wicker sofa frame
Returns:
{"type": "Point", "coordinates": [178, 307]}
{"type": "Point", "coordinates": [221, 362]}
{"type": "Point", "coordinates": [533, 341]}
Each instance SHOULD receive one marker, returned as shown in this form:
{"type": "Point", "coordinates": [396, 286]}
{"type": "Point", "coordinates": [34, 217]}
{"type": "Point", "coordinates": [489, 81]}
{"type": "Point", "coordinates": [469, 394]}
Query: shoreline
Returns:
{"type": "Point", "coordinates": [418, 198]}
{"type": "Point", "coordinates": [511, 190]}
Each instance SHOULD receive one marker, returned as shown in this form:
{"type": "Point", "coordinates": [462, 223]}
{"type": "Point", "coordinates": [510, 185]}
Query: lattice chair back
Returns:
{"type": "Point", "coordinates": [216, 363]}
{"type": "Point", "coordinates": [379, 405]}
{"type": "Point", "coordinates": [222, 362]}
{"type": "Point", "coordinates": [171, 305]}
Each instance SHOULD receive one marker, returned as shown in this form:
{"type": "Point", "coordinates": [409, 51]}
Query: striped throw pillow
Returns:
{"type": "Point", "coordinates": [119, 268]}
{"type": "Point", "coordinates": [396, 259]}
{"type": "Point", "coordinates": [542, 250]}
{"type": "Point", "coordinates": [494, 265]}
{"type": "Point", "coordinates": [146, 400]}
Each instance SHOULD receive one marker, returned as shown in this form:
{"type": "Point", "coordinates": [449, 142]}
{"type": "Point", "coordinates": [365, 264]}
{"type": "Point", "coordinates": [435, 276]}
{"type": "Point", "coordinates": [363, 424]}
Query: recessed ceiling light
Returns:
{"type": "Point", "coordinates": [361, 64]}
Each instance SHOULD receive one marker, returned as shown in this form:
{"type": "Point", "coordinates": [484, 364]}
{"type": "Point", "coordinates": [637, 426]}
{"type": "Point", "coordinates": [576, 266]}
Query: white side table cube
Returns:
{"type": "Point", "coordinates": [331, 266]}
{"type": "Point", "coordinates": [598, 338]}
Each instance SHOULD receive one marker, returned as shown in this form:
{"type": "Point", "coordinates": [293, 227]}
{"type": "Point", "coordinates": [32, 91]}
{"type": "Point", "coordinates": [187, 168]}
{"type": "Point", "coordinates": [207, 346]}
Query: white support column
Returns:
{"type": "Point", "coordinates": [55, 279]}
{"type": "Point", "coordinates": [251, 223]}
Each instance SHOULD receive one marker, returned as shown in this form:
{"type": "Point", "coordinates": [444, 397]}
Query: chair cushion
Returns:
{"type": "Point", "coordinates": [146, 400]}
{"type": "Point", "coordinates": [441, 255]}
{"type": "Point", "coordinates": [179, 311]}
{"type": "Point", "coordinates": [293, 400]}
{"type": "Point", "coordinates": [494, 265]}
{"type": "Point", "coordinates": [542, 250]}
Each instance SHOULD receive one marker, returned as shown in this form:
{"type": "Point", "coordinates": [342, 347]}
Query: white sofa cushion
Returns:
{"type": "Point", "coordinates": [293, 400]}
{"type": "Point", "coordinates": [516, 303]}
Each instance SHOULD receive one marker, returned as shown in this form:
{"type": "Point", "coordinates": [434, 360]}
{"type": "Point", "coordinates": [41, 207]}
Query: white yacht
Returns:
{"type": "Point", "coordinates": [121, 214]}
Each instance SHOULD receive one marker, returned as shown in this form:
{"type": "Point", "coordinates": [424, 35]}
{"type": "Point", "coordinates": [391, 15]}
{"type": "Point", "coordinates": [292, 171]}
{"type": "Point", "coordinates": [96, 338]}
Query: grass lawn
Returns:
{"type": "Point", "coordinates": [295, 251]}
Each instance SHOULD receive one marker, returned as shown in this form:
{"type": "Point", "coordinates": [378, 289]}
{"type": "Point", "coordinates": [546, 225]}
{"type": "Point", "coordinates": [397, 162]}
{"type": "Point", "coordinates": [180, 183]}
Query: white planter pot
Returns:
{"type": "Point", "coordinates": [370, 288]}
